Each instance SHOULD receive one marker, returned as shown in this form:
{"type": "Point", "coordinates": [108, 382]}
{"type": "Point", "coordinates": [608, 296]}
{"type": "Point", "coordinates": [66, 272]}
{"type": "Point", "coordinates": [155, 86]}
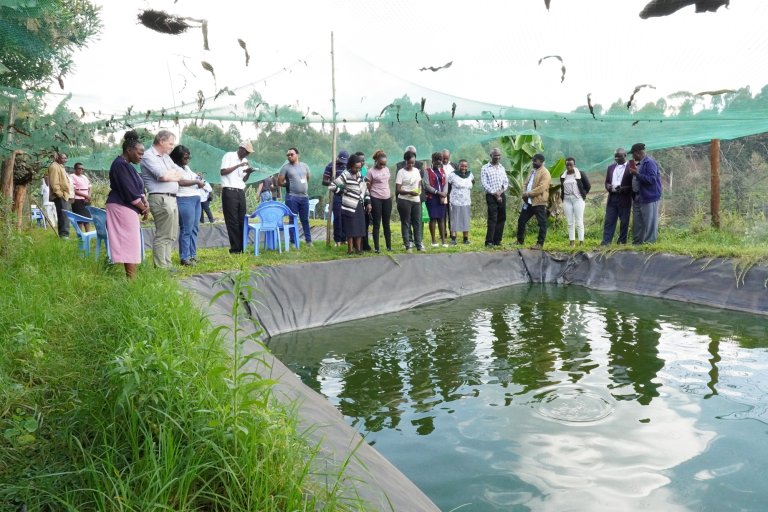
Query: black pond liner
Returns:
{"type": "Point", "coordinates": [293, 297]}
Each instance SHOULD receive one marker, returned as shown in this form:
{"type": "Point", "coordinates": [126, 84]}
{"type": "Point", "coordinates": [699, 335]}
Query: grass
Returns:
{"type": "Point", "coordinates": [118, 395]}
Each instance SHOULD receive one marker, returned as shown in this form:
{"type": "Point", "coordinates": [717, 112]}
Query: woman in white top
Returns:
{"type": "Point", "coordinates": [461, 182]}
{"type": "Point", "coordinates": [408, 189]}
{"type": "Point", "coordinates": [574, 187]}
{"type": "Point", "coordinates": [188, 201]}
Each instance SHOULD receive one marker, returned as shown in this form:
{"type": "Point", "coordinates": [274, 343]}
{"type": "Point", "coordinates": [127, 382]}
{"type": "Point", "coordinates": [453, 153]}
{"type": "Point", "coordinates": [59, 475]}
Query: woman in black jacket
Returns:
{"type": "Point", "coordinates": [574, 187]}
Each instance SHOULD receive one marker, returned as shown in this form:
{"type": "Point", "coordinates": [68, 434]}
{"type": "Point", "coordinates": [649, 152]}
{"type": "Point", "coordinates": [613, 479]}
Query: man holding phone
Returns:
{"type": "Point", "coordinates": [646, 179]}
{"type": "Point", "coordinates": [618, 183]}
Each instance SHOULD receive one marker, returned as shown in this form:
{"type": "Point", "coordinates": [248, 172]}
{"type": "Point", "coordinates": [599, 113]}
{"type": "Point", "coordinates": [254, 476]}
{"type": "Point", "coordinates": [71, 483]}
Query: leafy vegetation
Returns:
{"type": "Point", "coordinates": [118, 395]}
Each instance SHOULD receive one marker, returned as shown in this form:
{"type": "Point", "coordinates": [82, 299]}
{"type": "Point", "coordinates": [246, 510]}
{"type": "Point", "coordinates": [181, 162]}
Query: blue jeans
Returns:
{"type": "Point", "coordinates": [189, 221]}
{"type": "Point", "coordinates": [300, 206]}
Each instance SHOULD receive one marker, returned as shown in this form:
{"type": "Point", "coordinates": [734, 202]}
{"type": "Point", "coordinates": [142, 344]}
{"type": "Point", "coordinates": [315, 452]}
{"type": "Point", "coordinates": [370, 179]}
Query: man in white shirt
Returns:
{"type": "Point", "coordinates": [235, 171]}
{"type": "Point", "coordinates": [494, 179]}
{"type": "Point", "coordinates": [618, 183]}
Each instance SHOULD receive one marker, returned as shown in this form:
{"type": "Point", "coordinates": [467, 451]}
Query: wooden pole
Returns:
{"type": "Point", "coordinates": [714, 160]}
{"type": "Point", "coordinates": [328, 224]}
{"type": "Point", "coordinates": [6, 184]}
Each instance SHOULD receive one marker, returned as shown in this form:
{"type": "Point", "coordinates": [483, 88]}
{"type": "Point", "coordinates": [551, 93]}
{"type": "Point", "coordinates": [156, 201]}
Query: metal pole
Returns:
{"type": "Point", "coordinates": [328, 224]}
{"type": "Point", "coordinates": [714, 160]}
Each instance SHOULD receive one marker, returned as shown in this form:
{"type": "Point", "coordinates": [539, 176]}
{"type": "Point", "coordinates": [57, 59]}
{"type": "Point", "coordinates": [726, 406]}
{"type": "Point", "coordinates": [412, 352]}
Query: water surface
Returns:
{"type": "Point", "coordinates": [539, 397]}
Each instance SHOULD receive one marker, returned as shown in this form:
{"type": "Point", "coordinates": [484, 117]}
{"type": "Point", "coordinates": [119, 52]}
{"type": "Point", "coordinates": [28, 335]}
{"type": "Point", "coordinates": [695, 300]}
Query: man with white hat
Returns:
{"type": "Point", "coordinates": [235, 171]}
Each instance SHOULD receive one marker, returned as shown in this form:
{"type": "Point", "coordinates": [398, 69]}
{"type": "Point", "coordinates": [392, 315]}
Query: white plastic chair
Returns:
{"type": "Point", "coordinates": [313, 207]}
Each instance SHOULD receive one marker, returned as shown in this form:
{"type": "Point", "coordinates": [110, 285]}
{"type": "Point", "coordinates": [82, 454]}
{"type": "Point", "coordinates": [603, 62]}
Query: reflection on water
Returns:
{"type": "Point", "coordinates": [550, 398]}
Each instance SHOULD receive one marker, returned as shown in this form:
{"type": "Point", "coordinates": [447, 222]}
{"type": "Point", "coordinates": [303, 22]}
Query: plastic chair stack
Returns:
{"type": "Point", "coordinates": [99, 217]}
{"type": "Point", "coordinates": [84, 237]}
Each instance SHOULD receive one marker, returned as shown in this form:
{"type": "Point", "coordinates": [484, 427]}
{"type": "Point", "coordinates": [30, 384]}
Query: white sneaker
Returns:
{"type": "Point", "coordinates": [445, 245]}
{"type": "Point", "coordinates": [435, 245]}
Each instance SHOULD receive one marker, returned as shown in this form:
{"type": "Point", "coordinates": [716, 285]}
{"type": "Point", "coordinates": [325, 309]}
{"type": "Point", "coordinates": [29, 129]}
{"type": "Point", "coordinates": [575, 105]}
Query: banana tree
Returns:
{"type": "Point", "coordinates": [519, 150]}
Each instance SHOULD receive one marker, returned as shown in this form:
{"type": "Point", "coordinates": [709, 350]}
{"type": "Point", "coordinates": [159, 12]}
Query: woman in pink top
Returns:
{"type": "Point", "coordinates": [381, 199]}
{"type": "Point", "coordinates": [82, 186]}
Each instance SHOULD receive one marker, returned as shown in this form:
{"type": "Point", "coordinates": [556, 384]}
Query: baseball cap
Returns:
{"type": "Point", "coordinates": [246, 145]}
{"type": "Point", "coordinates": [343, 156]}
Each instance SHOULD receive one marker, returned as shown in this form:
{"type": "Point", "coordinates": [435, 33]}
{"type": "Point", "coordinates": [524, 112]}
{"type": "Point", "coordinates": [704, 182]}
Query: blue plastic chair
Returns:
{"type": "Point", "coordinates": [99, 217]}
{"type": "Point", "coordinates": [37, 216]}
{"type": "Point", "coordinates": [292, 225]}
{"type": "Point", "coordinates": [85, 237]}
{"type": "Point", "coordinates": [270, 223]}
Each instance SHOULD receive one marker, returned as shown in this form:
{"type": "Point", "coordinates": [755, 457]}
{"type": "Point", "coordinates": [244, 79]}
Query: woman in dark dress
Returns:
{"type": "Point", "coordinates": [125, 202]}
{"type": "Point", "coordinates": [355, 203]}
{"type": "Point", "coordinates": [437, 197]}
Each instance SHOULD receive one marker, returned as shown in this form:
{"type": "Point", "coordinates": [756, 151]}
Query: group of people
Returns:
{"type": "Point", "coordinates": [176, 196]}
{"type": "Point", "coordinates": [363, 198]}
{"type": "Point", "coordinates": [633, 186]}
{"type": "Point", "coordinates": [167, 188]}
{"type": "Point", "coordinates": [67, 192]}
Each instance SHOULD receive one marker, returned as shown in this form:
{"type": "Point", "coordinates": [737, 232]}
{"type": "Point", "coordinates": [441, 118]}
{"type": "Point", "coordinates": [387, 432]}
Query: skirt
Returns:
{"type": "Point", "coordinates": [353, 223]}
{"type": "Point", "coordinates": [79, 208]}
{"type": "Point", "coordinates": [124, 232]}
{"type": "Point", "coordinates": [435, 208]}
{"type": "Point", "coordinates": [460, 216]}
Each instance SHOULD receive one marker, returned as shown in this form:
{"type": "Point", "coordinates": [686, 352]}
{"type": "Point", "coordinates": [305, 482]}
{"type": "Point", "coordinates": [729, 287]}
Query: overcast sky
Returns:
{"type": "Point", "coordinates": [495, 46]}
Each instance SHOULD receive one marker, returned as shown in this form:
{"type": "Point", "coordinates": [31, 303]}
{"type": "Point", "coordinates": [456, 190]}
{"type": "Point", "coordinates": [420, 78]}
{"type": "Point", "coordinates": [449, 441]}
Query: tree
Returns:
{"type": "Point", "coordinates": [37, 39]}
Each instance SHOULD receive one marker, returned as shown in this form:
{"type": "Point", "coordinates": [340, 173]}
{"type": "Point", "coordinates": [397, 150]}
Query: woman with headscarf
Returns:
{"type": "Point", "coordinates": [437, 197]}
{"type": "Point", "coordinates": [381, 199]}
{"type": "Point", "coordinates": [461, 182]}
{"type": "Point", "coordinates": [188, 200]}
{"type": "Point", "coordinates": [355, 203]}
{"type": "Point", "coordinates": [574, 187]}
{"type": "Point", "coordinates": [125, 202]}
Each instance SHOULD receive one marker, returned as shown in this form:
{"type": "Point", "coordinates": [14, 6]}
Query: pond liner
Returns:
{"type": "Point", "coordinates": [301, 296]}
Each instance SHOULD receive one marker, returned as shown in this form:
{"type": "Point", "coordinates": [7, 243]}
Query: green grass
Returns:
{"type": "Point", "coordinates": [118, 395]}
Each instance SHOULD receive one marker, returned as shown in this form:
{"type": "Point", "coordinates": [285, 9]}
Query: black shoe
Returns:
{"type": "Point", "coordinates": [489, 245]}
{"type": "Point", "coordinates": [187, 263]}
{"type": "Point", "coordinates": [466, 241]}
{"type": "Point", "coordinates": [376, 251]}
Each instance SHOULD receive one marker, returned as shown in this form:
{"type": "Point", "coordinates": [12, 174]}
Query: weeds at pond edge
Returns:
{"type": "Point", "coordinates": [119, 396]}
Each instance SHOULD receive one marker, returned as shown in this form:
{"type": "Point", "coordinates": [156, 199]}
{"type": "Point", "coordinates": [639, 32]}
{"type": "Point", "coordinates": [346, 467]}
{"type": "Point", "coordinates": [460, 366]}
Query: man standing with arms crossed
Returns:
{"type": "Point", "coordinates": [235, 171]}
{"type": "Point", "coordinates": [161, 178]}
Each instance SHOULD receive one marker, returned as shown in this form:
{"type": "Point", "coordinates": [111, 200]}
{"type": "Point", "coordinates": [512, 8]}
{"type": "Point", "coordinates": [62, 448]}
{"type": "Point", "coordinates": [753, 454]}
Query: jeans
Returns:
{"type": "Point", "coordinates": [233, 207]}
{"type": "Point", "coordinates": [300, 206]}
{"type": "Point", "coordinates": [410, 218]}
{"type": "Point", "coordinates": [205, 207]}
{"type": "Point", "coordinates": [541, 218]}
{"type": "Point", "coordinates": [62, 205]}
{"type": "Point", "coordinates": [497, 217]}
{"type": "Point", "coordinates": [189, 218]}
{"type": "Point", "coordinates": [574, 215]}
{"type": "Point", "coordinates": [381, 211]}
{"type": "Point", "coordinates": [165, 213]}
{"type": "Point", "coordinates": [614, 212]}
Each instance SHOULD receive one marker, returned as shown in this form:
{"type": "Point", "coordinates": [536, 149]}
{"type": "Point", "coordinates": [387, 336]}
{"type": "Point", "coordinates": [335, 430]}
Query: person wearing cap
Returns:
{"type": "Point", "coordinates": [535, 200]}
{"type": "Point", "coordinates": [341, 165]}
{"type": "Point", "coordinates": [646, 187]}
{"type": "Point", "coordinates": [295, 175]}
{"type": "Point", "coordinates": [235, 171]}
{"type": "Point", "coordinates": [161, 178]}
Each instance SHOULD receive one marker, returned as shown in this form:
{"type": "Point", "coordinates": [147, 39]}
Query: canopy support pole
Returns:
{"type": "Point", "coordinates": [328, 224]}
{"type": "Point", "coordinates": [714, 161]}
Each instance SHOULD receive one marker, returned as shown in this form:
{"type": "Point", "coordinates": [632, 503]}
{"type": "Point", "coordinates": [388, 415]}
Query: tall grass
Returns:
{"type": "Point", "coordinates": [118, 395]}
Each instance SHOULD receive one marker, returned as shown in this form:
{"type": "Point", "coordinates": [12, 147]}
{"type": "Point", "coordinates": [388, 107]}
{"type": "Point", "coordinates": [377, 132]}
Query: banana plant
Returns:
{"type": "Point", "coordinates": [519, 150]}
